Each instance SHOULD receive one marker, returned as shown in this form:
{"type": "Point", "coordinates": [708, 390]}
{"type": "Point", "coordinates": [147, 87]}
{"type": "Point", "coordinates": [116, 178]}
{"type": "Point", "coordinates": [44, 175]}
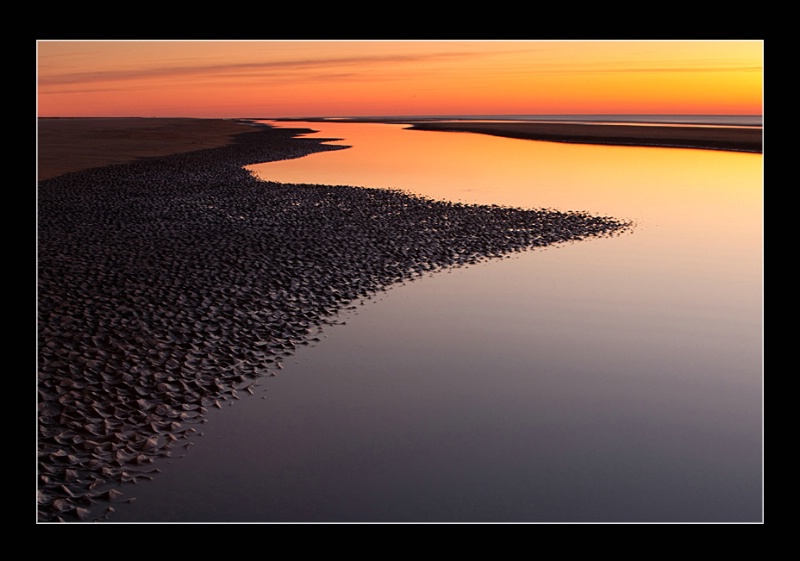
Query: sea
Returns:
{"type": "Point", "coordinates": [608, 380]}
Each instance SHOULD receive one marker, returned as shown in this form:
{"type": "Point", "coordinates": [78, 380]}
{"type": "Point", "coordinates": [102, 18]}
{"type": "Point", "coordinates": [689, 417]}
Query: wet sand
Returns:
{"type": "Point", "coordinates": [169, 285]}
{"type": "Point", "coordinates": [744, 139]}
{"type": "Point", "coordinates": [170, 279]}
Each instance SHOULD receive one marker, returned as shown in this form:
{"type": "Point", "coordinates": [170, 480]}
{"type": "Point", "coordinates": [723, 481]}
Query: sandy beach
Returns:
{"type": "Point", "coordinates": [74, 144]}
{"type": "Point", "coordinates": [167, 285]}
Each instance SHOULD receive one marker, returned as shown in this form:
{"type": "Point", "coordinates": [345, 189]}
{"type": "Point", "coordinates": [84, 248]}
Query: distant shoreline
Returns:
{"type": "Point", "coordinates": [638, 132]}
{"type": "Point", "coordinates": [76, 143]}
{"type": "Point", "coordinates": [744, 139]}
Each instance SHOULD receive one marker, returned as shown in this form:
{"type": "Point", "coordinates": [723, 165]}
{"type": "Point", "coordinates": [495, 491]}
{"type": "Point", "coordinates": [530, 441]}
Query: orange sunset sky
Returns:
{"type": "Point", "coordinates": [238, 79]}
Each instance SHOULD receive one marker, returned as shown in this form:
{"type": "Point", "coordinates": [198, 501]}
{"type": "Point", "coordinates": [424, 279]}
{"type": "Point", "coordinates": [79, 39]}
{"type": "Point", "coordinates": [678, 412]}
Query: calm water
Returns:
{"type": "Point", "coordinates": [615, 379]}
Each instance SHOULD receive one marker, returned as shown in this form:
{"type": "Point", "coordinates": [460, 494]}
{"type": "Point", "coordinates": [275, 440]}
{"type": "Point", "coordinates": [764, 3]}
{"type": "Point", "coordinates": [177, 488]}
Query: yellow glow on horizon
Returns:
{"type": "Point", "coordinates": [351, 78]}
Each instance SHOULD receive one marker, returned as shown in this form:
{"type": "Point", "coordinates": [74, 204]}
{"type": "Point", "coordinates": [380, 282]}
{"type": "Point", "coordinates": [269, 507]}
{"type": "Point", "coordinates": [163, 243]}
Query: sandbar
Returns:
{"type": "Point", "coordinates": [740, 139]}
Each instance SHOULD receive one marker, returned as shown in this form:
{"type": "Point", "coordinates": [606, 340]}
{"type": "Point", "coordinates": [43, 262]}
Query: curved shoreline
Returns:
{"type": "Point", "coordinates": [168, 285]}
{"type": "Point", "coordinates": [74, 144]}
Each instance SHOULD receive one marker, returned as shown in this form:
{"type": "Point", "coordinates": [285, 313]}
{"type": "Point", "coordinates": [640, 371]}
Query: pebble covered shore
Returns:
{"type": "Point", "coordinates": [168, 286]}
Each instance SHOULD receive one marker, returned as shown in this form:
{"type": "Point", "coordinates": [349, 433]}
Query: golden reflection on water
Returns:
{"type": "Point", "coordinates": [608, 380]}
{"type": "Point", "coordinates": [702, 194]}
{"type": "Point", "coordinates": [697, 213]}
{"type": "Point", "coordinates": [474, 168]}
{"type": "Point", "coordinates": [640, 354]}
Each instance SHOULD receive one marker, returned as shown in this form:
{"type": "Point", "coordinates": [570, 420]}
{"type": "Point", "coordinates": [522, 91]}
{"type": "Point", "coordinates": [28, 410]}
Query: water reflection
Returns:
{"type": "Point", "coordinates": [618, 379]}
{"type": "Point", "coordinates": [472, 168]}
{"type": "Point", "coordinates": [614, 379]}
{"type": "Point", "coordinates": [698, 212]}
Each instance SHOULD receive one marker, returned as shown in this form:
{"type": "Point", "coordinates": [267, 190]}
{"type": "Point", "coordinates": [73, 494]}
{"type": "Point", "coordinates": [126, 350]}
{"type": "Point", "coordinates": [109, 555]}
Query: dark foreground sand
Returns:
{"type": "Point", "coordinates": [711, 138]}
{"type": "Point", "coordinates": [169, 279]}
{"type": "Point", "coordinates": [169, 285]}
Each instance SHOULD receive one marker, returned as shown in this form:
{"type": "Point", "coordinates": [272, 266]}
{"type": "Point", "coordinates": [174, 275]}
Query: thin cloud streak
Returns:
{"type": "Point", "coordinates": [288, 69]}
{"type": "Point", "coordinates": [245, 69]}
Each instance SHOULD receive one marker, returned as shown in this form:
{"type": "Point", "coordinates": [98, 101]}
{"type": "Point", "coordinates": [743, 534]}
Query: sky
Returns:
{"type": "Point", "coordinates": [273, 79]}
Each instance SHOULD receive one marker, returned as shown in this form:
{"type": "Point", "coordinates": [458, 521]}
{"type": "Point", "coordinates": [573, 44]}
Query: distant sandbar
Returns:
{"type": "Point", "coordinates": [741, 139]}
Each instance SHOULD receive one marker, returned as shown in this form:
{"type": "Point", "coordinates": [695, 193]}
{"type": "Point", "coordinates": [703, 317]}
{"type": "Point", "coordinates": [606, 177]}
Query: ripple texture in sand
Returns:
{"type": "Point", "coordinates": [170, 285]}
